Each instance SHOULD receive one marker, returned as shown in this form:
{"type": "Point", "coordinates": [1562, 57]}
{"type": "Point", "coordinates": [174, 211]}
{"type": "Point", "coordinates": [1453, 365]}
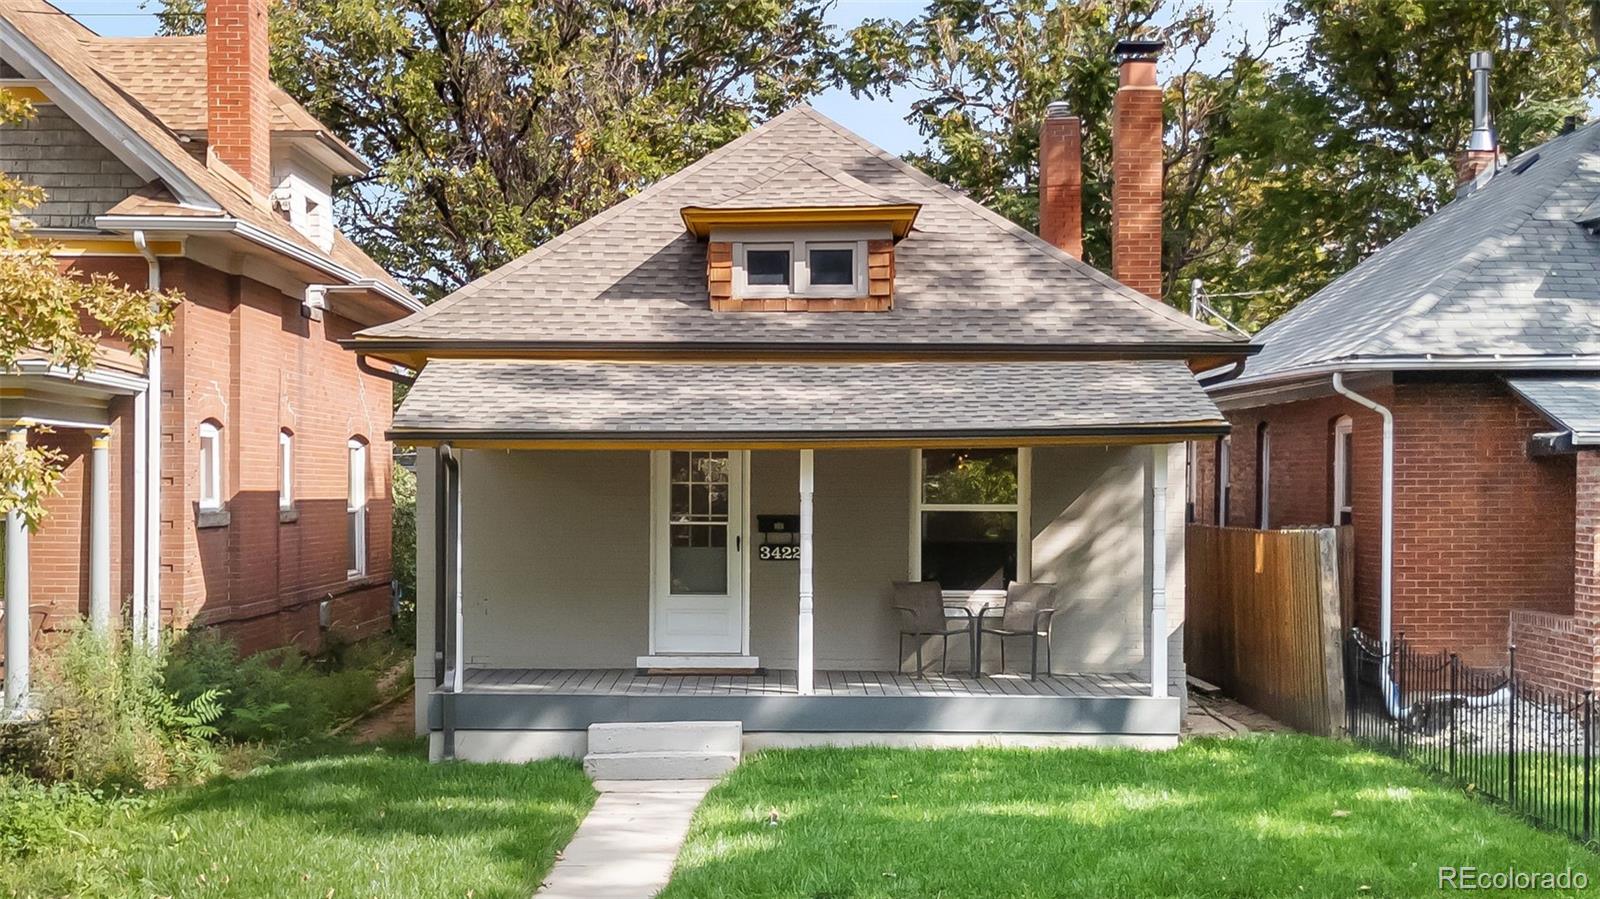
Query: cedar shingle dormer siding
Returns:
{"type": "Point", "coordinates": [879, 296]}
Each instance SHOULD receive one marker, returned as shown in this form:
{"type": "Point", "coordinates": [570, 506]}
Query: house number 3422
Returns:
{"type": "Point", "coordinates": [777, 553]}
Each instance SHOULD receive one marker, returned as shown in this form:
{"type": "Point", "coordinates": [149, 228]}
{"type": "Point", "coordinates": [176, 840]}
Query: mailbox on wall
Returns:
{"type": "Point", "coordinates": [780, 538]}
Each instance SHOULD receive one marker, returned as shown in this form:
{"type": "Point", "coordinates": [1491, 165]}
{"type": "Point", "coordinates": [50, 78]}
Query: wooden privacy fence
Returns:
{"type": "Point", "coordinates": [1264, 613]}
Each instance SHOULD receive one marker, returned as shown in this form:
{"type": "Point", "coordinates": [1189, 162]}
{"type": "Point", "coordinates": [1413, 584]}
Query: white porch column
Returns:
{"type": "Point", "coordinates": [17, 615]}
{"type": "Point", "coordinates": [1158, 572]}
{"type": "Point", "coordinates": [100, 533]}
{"type": "Point", "coordinates": [807, 485]}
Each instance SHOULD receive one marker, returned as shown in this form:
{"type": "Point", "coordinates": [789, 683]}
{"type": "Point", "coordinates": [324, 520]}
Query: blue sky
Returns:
{"type": "Point", "coordinates": [881, 120]}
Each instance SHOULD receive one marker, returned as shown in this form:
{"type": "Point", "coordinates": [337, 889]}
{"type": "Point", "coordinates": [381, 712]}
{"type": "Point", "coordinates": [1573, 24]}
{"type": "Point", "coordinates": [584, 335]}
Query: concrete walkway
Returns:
{"type": "Point", "coordinates": [625, 848]}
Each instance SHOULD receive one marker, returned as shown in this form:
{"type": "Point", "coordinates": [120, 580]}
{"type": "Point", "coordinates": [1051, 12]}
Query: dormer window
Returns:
{"type": "Point", "coordinates": [835, 269]}
{"type": "Point", "coordinates": [801, 237]}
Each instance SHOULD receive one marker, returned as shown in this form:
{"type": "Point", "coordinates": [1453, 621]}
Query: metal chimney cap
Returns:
{"type": "Point", "coordinates": [1481, 60]}
{"type": "Point", "coordinates": [1129, 49]}
{"type": "Point", "coordinates": [1058, 109]}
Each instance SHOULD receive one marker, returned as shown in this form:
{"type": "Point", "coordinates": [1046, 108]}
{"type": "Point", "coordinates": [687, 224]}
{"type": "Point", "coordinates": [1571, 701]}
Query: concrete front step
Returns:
{"type": "Point", "coordinates": [659, 765]}
{"type": "Point", "coordinates": [670, 750]}
{"type": "Point", "coordinates": [666, 736]}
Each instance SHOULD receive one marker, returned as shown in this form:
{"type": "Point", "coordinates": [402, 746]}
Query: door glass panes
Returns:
{"type": "Point", "coordinates": [697, 522]}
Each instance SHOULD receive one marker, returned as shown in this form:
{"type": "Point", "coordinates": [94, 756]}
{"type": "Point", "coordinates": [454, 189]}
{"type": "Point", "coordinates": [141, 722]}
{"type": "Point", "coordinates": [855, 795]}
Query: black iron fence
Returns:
{"type": "Point", "coordinates": [1492, 732]}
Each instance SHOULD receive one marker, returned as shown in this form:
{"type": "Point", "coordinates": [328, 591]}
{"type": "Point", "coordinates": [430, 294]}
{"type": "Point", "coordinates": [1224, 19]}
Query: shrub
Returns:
{"type": "Point", "coordinates": [404, 544]}
{"type": "Point", "coordinates": [279, 694]}
{"type": "Point", "coordinates": [107, 720]}
{"type": "Point", "coordinates": [38, 816]}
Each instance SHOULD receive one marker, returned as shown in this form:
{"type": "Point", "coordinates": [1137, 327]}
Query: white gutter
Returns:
{"type": "Point", "coordinates": [150, 610]}
{"type": "Point", "coordinates": [1490, 362]}
{"type": "Point", "coordinates": [1391, 696]}
{"type": "Point", "coordinates": [228, 225]}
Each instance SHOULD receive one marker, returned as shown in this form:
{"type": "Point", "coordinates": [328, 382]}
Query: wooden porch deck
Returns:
{"type": "Point", "coordinates": [781, 682]}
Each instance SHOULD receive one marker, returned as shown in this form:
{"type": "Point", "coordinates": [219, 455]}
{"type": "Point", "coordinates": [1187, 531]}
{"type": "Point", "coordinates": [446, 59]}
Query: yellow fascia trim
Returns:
{"type": "Point", "coordinates": [700, 220]}
{"type": "Point", "coordinates": [31, 94]}
{"type": "Point", "coordinates": [100, 246]}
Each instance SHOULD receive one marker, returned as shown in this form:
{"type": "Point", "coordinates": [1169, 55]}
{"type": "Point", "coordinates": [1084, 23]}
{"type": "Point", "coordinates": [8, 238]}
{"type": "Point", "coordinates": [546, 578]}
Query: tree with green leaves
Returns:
{"type": "Point", "coordinates": [1283, 169]}
{"type": "Point", "coordinates": [56, 316]}
{"type": "Point", "coordinates": [495, 125]}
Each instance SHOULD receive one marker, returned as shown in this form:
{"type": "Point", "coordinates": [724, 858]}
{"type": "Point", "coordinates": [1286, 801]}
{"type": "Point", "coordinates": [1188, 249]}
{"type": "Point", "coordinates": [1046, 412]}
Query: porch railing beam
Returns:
{"type": "Point", "coordinates": [1158, 571]}
{"type": "Point", "coordinates": [805, 655]}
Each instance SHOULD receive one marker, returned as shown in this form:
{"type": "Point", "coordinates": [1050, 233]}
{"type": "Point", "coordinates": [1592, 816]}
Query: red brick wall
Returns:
{"type": "Point", "coordinates": [1480, 528]}
{"type": "Point", "coordinates": [250, 362]}
{"type": "Point", "coordinates": [239, 353]}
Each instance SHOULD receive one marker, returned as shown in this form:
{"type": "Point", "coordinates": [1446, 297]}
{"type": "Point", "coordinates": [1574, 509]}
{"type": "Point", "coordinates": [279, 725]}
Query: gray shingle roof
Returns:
{"type": "Point", "coordinates": [964, 276]}
{"type": "Point", "coordinates": [799, 181]}
{"type": "Point", "coordinates": [462, 397]}
{"type": "Point", "coordinates": [1573, 403]}
{"type": "Point", "coordinates": [1504, 269]}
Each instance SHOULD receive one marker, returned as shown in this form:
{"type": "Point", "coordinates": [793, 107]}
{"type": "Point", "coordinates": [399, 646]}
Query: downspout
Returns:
{"type": "Point", "coordinates": [1391, 695]}
{"type": "Point", "coordinates": [149, 610]}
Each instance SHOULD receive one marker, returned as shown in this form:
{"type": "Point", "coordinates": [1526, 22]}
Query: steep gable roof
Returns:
{"type": "Point", "coordinates": [60, 40]}
{"type": "Point", "coordinates": [799, 181]}
{"type": "Point", "coordinates": [1508, 270]}
{"type": "Point", "coordinates": [964, 276]}
{"type": "Point", "coordinates": [167, 75]}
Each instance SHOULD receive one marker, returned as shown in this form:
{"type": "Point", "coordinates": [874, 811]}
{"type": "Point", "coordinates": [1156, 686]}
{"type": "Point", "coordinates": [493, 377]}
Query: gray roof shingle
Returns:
{"type": "Point", "coordinates": [535, 399]}
{"type": "Point", "coordinates": [799, 181]}
{"type": "Point", "coordinates": [1572, 403]}
{"type": "Point", "coordinates": [1505, 269]}
{"type": "Point", "coordinates": [964, 276]}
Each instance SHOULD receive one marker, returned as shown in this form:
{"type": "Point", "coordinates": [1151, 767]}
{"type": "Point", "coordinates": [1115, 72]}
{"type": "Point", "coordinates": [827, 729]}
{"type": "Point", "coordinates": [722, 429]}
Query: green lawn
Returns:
{"type": "Point", "coordinates": [1265, 816]}
{"type": "Point", "coordinates": [344, 823]}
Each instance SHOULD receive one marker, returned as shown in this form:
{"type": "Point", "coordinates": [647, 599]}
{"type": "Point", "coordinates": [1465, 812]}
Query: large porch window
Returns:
{"type": "Point", "coordinates": [968, 518]}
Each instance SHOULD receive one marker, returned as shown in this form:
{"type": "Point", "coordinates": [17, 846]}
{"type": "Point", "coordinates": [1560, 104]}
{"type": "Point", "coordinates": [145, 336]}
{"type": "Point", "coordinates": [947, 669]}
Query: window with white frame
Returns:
{"type": "Point", "coordinates": [815, 268]}
{"type": "Point", "coordinates": [1343, 470]}
{"type": "Point", "coordinates": [210, 465]}
{"type": "Point", "coordinates": [1263, 476]}
{"type": "Point", "coordinates": [285, 469]}
{"type": "Point", "coordinates": [356, 507]}
{"type": "Point", "coordinates": [969, 510]}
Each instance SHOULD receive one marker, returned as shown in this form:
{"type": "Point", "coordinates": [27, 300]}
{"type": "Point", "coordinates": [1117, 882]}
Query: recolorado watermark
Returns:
{"type": "Point", "coordinates": [1471, 878]}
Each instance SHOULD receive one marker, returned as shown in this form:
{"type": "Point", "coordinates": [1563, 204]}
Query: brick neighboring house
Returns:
{"type": "Point", "coordinates": [1479, 332]}
{"type": "Point", "coordinates": [251, 493]}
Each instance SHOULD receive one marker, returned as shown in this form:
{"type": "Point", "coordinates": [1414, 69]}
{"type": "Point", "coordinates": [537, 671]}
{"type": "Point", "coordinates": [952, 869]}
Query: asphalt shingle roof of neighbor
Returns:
{"type": "Point", "coordinates": [1571, 402]}
{"type": "Point", "coordinates": [575, 398]}
{"type": "Point", "coordinates": [1505, 269]}
{"type": "Point", "coordinates": [67, 42]}
{"type": "Point", "coordinates": [963, 276]}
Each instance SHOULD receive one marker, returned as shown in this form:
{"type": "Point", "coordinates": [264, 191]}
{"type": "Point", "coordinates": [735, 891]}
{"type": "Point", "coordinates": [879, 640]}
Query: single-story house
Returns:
{"type": "Point", "coordinates": [672, 463]}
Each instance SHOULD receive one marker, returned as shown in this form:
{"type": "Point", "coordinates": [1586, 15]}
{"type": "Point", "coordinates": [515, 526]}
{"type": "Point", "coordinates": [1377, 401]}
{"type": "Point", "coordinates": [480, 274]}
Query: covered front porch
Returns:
{"type": "Point", "coordinates": [641, 574]}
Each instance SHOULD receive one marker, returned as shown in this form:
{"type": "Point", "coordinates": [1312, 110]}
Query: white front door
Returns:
{"type": "Point", "coordinates": [697, 603]}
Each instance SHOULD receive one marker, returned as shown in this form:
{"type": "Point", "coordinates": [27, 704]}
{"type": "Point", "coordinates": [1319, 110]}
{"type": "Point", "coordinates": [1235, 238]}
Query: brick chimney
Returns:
{"type": "Point", "coordinates": [1483, 147]}
{"type": "Point", "coordinates": [236, 88]}
{"type": "Point", "coordinates": [1061, 179]}
{"type": "Point", "coordinates": [1136, 169]}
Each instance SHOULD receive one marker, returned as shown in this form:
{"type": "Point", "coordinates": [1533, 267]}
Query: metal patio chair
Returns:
{"type": "Point", "coordinates": [1029, 611]}
{"type": "Point", "coordinates": [922, 609]}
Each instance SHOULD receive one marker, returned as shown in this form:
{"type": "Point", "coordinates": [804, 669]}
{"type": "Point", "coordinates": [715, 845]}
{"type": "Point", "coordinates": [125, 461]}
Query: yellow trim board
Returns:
{"type": "Point", "coordinates": [700, 220]}
{"type": "Point", "coordinates": [103, 246]}
{"type": "Point", "coordinates": [725, 443]}
{"type": "Point", "coordinates": [31, 94]}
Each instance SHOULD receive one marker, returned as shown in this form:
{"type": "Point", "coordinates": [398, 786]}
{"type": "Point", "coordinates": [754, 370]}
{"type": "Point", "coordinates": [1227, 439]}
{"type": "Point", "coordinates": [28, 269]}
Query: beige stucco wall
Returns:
{"type": "Point", "coordinates": [556, 566]}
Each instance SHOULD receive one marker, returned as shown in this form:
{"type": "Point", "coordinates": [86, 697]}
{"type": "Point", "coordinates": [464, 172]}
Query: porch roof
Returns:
{"type": "Point", "coordinates": [1572, 403]}
{"type": "Point", "coordinates": [761, 403]}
